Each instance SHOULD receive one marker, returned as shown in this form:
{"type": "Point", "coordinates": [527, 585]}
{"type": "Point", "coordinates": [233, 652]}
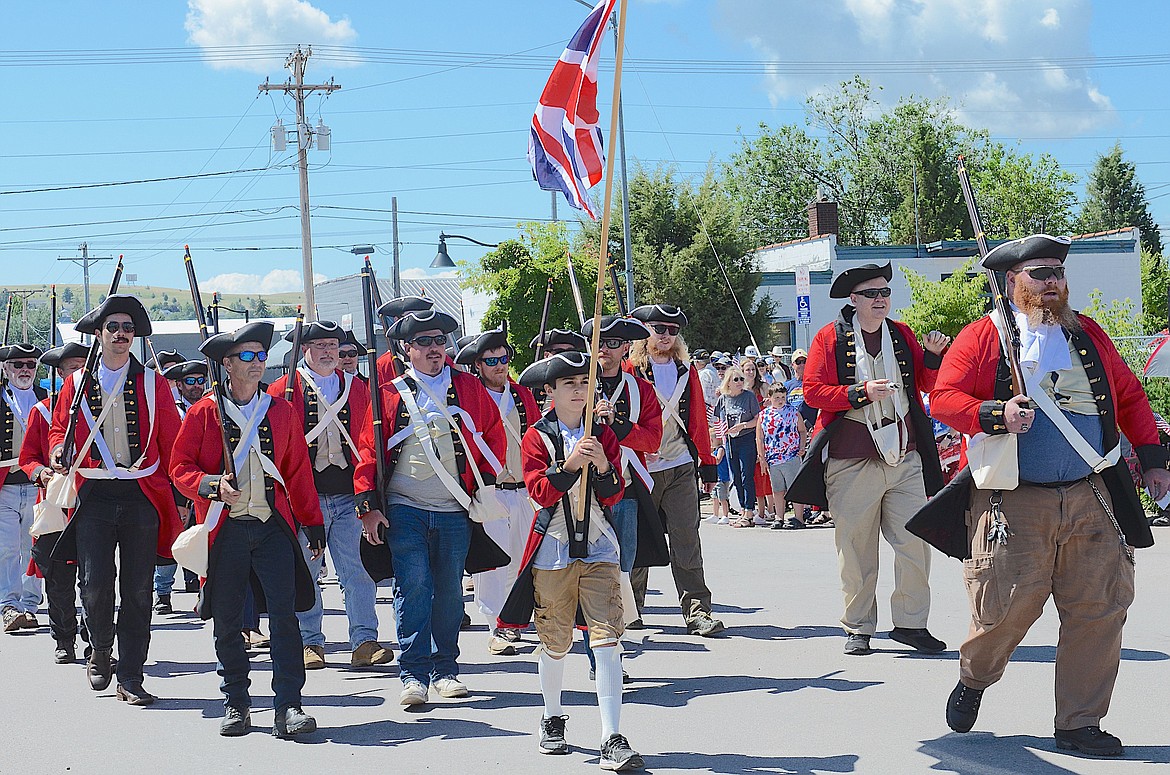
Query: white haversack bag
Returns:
{"type": "Point", "coordinates": [994, 461]}
{"type": "Point", "coordinates": [49, 513]}
{"type": "Point", "coordinates": [191, 548]}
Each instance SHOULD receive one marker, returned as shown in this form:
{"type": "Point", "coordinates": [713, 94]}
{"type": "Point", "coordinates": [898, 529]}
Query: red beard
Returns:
{"type": "Point", "coordinates": [1041, 311]}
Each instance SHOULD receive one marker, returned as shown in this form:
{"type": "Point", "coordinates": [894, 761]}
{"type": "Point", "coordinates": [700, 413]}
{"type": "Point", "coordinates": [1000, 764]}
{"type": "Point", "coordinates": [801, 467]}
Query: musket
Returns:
{"type": "Point", "coordinates": [213, 367]}
{"type": "Point", "coordinates": [376, 296]}
{"type": "Point", "coordinates": [52, 344]}
{"type": "Point", "coordinates": [8, 318]}
{"type": "Point", "coordinates": [294, 355]}
{"type": "Point", "coordinates": [375, 391]}
{"type": "Point", "coordinates": [617, 291]}
{"type": "Point", "coordinates": [1009, 334]}
{"type": "Point", "coordinates": [544, 320]}
{"type": "Point", "coordinates": [87, 376]}
{"type": "Point", "coordinates": [576, 288]}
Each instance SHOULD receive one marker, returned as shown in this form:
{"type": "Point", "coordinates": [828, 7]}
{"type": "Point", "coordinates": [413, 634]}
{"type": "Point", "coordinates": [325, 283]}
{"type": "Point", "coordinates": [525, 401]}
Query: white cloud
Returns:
{"type": "Point", "coordinates": [427, 274]}
{"type": "Point", "coordinates": [1046, 99]}
{"type": "Point", "coordinates": [214, 23]}
{"type": "Point", "coordinates": [276, 281]}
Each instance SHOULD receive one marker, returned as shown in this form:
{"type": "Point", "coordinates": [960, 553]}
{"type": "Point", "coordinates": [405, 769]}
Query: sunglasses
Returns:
{"type": "Point", "coordinates": [1043, 273]}
{"type": "Point", "coordinates": [126, 326]}
{"type": "Point", "coordinates": [720, 368]}
{"type": "Point", "coordinates": [612, 344]}
{"type": "Point", "coordinates": [495, 360]}
{"type": "Point", "coordinates": [429, 341]}
{"type": "Point", "coordinates": [874, 293]}
{"type": "Point", "coordinates": [24, 364]}
{"type": "Point", "coordinates": [247, 356]}
{"type": "Point", "coordinates": [737, 379]}
{"type": "Point", "coordinates": [347, 354]}
{"type": "Point", "coordinates": [194, 380]}
{"type": "Point", "coordinates": [664, 328]}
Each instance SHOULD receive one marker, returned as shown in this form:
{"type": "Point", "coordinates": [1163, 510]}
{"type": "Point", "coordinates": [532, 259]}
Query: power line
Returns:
{"type": "Point", "coordinates": [77, 186]}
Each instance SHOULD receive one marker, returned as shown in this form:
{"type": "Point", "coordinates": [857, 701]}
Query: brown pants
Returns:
{"type": "Point", "coordinates": [677, 497]}
{"type": "Point", "coordinates": [1062, 545]}
{"type": "Point", "coordinates": [593, 586]}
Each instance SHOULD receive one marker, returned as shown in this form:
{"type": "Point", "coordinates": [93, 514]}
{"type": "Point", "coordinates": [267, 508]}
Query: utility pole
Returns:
{"type": "Point", "coordinates": [23, 296]}
{"type": "Point", "coordinates": [396, 269]}
{"type": "Point", "coordinates": [85, 260]}
{"type": "Point", "coordinates": [298, 90]}
{"type": "Point", "coordinates": [554, 205]}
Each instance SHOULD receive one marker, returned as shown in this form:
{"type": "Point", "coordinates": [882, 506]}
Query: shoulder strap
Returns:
{"type": "Point", "coordinates": [419, 426]}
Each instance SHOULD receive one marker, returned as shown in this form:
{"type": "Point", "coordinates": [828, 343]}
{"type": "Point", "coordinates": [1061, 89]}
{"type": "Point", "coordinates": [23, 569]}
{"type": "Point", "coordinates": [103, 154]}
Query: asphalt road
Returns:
{"type": "Point", "coordinates": [775, 695]}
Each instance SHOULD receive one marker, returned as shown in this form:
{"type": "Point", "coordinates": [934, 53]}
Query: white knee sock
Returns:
{"type": "Point", "coordinates": [609, 688]}
{"type": "Point", "coordinates": [552, 676]}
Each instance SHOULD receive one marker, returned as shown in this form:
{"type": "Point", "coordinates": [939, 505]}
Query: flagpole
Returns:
{"type": "Point", "coordinates": [602, 263]}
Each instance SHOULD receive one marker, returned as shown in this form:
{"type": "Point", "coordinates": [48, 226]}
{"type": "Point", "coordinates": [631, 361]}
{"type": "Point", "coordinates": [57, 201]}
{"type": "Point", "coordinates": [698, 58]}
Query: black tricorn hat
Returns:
{"type": "Point", "coordinates": [412, 324]}
{"type": "Point", "coordinates": [488, 340]}
{"type": "Point", "coordinates": [119, 302]}
{"type": "Point", "coordinates": [617, 327]}
{"type": "Point", "coordinates": [548, 370]}
{"type": "Point", "coordinates": [318, 329]}
{"type": "Point", "coordinates": [54, 356]}
{"type": "Point", "coordinates": [20, 350]}
{"type": "Point", "coordinates": [561, 336]}
{"type": "Point", "coordinates": [164, 359]}
{"type": "Point", "coordinates": [1005, 256]}
{"type": "Point", "coordinates": [844, 283]}
{"type": "Point", "coordinates": [396, 308]}
{"type": "Point", "coordinates": [186, 369]}
{"type": "Point", "coordinates": [660, 313]}
{"type": "Point", "coordinates": [217, 346]}
{"type": "Point", "coordinates": [351, 339]}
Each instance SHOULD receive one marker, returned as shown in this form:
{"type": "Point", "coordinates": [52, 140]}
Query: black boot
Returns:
{"type": "Point", "coordinates": [99, 669]}
{"type": "Point", "coordinates": [66, 652]}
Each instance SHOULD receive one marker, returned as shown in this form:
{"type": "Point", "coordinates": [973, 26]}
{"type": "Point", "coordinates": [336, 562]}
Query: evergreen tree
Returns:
{"type": "Point", "coordinates": [1115, 198]}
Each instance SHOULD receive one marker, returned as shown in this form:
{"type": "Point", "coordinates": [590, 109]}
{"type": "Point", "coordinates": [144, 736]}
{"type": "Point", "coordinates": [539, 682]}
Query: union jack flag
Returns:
{"type": "Point", "coordinates": [564, 146]}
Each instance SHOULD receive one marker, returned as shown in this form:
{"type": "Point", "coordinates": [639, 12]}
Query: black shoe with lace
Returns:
{"type": "Point", "coordinates": [1092, 741]}
{"type": "Point", "coordinates": [552, 735]}
{"type": "Point", "coordinates": [919, 639]}
{"type": "Point", "coordinates": [704, 626]}
{"type": "Point", "coordinates": [237, 722]}
{"type": "Point", "coordinates": [163, 605]}
{"type": "Point", "coordinates": [963, 707]}
{"type": "Point", "coordinates": [293, 721]}
{"type": "Point", "coordinates": [617, 755]}
{"type": "Point", "coordinates": [65, 653]}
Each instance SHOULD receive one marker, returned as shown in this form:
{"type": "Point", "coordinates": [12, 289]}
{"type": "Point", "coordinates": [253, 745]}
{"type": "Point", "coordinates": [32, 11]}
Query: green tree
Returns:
{"type": "Point", "coordinates": [516, 275]}
{"type": "Point", "coordinates": [260, 309]}
{"type": "Point", "coordinates": [771, 180]}
{"type": "Point", "coordinates": [675, 257]}
{"type": "Point", "coordinates": [1019, 195]}
{"type": "Point", "coordinates": [947, 305]}
{"type": "Point", "coordinates": [1155, 290]}
{"type": "Point", "coordinates": [67, 295]}
{"type": "Point", "coordinates": [1115, 198]}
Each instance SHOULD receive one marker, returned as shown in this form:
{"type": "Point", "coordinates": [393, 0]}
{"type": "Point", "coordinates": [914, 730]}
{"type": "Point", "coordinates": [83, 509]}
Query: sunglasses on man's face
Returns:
{"type": "Point", "coordinates": [737, 379]}
{"type": "Point", "coordinates": [664, 328]}
{"type": "Point", "coordinates": [720, 368]}
{"type": "Point", "coordinates": [612, 344]}
{"type": "Point", "coordinates": [247, 356]}
{"type": "Point", "coordinates": [126, 326]}
{"type": "Point", "coordinates": [31, 365]}
{"type": "Point", "coordinates": [873, 293]}
{"type": "Point", "coordinates": [194, 380]}
{"type": "Point", "coordinates": [429, 341]}
{"type": "Point", "coordinates": [1044, 273]}
{"type": "Point", "coordinates": [347, 354]}
{"type": "Point", "coordinates": [496, 360]}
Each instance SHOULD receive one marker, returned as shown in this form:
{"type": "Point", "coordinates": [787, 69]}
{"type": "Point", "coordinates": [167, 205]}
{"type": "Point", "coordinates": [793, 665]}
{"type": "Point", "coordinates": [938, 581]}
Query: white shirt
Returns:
{"type": "Point", "coordinates": [109, 379]}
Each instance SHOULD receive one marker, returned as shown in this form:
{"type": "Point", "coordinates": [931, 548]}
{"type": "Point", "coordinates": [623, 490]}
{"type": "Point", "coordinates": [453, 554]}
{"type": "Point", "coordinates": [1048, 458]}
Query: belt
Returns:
{"type": "Point", "coordinates": [1054, 485]}
{"type": "Point", "coordinates": [511, 486]}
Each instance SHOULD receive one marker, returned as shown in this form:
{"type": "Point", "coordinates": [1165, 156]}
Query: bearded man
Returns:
{"type": "Point", "coordinates": [1064, 520]}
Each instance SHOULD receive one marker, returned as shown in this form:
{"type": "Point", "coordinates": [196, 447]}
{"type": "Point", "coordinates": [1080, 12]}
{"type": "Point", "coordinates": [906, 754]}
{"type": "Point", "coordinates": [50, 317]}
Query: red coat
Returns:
{"type": "Point", "coordinates": [694, 408]}
{"type": "Point", "coordinates": [157, 486]}
{"type": "Point", "coordinates": [970, 390]}
{"type": "Point", "coordinates": [34, 450]}
{"type": "Point", "coordinates": [357, 406]}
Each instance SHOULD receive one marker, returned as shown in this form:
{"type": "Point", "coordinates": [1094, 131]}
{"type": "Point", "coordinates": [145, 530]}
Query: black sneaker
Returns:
{"type": "Point", "coordinates": [857, 645]}
{"type": "Point", "coordinates": [704, 626]}
{"type": "Point", "coordinates": [637, 624]}
{"type": "Point", "coordinates": [963, 708]}
{"type": "Point", "coordinates": [1092, 741]}
{"type": "Point", "coordinates": [552, 735]}
{"type": "Point", "coordinates": [918, 639]}
{"type": "Point", "coordinates": [163, 605]}
{"type": "Point", "coordinates": [65, 653]}
{"type": "Point", "coordinates": [617, 755]}
{"type": "Point", "coordinates": [593, 675]}
{"type": "Point", "coordinates": [293, 721]}
{"type": "Point", "coordinates": [237, 722]}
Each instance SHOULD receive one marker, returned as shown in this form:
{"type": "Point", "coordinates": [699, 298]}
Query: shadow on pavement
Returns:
{"type": "Point", "coordinates": [1048, 654]}
{"type": "Point", "coordinates": [982, 753]}
{"type": "Point", "coordinates": [162, 668]}
{"type": "Point", "coordinates": [675, 693]}
{"type": "Point", "coordinates": [742, 763]}
{"type": "Point", "coordinates": [717, 608]}
{"type": "Point", "coordinates": [395, 732]}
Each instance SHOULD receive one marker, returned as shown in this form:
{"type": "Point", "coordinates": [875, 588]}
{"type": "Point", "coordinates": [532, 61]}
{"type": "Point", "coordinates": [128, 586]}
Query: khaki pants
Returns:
{"type": "Point", "coordinates": [595, 587]}
{"type": "Point", "coordinates": [865, 496]}
{"type": "Point", "coordinates": [677, 497]}
{"type": "Point", "coordinates": [1062, 545]}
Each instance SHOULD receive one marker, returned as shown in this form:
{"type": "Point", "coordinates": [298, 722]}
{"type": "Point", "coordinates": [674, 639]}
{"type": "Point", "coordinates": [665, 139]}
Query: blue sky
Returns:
{"type": "Point", "coordinates": [119, 91]}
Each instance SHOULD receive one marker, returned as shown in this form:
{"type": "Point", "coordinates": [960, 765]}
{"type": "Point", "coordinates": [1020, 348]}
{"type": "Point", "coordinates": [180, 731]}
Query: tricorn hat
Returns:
{"type": "Point", "coordinates": [844, 283]}
{"type": "Point", "coordinates": [164, 359]}
{"type": "Point", "coordinates": [488, 340]}
{"type": "Point", "coordinates": [617, 327]}
{"type": "Point", "coordinates": [1005, 256]}
{"type": "Point", "coordinates": [217, 346]}
{"type": "Point", "coordinates": [351, 339]}
{"type": "Point", "coordinates": [396, 308]}
{"type": "Point", "coordinates": [660, 313]}
{"type": "Point", "coordinates": [186, 369]}
{"type": "Point", "coordinates": [560, 336]}
{"type": "Point", "coordinates": [54, 356]}
{"type": "Point", "coordinates": [20, 350]}
{"type": "Point", "coordinates": [119, 302]}
{"type": "Point", "coordinates": [547, 370]}
{"type": "Point", "coordinates": [412, 324]}
{"type": "Point", "coordinates": [318, 329]}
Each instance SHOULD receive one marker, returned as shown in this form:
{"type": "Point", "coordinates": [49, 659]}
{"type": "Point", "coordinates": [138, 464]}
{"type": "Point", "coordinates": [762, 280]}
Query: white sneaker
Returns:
{"type": "Point", "coordinates": [758, 520]}
{"type": "Point", "coordinates": [713, 519]}
{"type": "Point", "coordinates": [450, 687]}
{"type": "Point", "coordinates": [723, 521]}
{"type": "Point", "coordinates": [413, 693]}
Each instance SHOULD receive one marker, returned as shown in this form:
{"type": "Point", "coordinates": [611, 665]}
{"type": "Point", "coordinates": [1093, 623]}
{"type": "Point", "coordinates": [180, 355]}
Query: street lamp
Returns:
{"type": "Point", "coordinates": [442, 260]}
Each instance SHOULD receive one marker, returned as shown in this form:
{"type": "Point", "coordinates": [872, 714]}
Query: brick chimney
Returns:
{"type": "Point", "coordinates": [822, 217]}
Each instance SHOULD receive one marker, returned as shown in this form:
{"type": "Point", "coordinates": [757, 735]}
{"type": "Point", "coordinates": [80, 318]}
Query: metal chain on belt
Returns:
{"type": "Point", "coordinates": [1113, 519]}
{"type": "Point", "coordinates": [997, 532]}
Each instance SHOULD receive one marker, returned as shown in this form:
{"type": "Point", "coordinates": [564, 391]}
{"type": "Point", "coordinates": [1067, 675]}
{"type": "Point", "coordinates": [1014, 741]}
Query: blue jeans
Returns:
{"type": "Point", "coordinates": [244, 547]}
{"type": "Point", "coordinates": [343, 537]}
{"type": "Point", "coordinates": [16, 513]}
{"type": "Point", "coordinates": [625, 524]}
{"type": "Point", "coordinates": [743, 469]}
{"type": "Point", "coordinates": [430, 551]}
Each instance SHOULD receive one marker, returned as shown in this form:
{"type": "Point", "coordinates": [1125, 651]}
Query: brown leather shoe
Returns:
{"type": "Point", "coordinates": [134, 694]}
{"type": "Point", "coordinates": [314, 657]}
{"type": "Point", "coordinates": [99, 669]}
{"type": "Point", "coordinates": [369, 653]}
